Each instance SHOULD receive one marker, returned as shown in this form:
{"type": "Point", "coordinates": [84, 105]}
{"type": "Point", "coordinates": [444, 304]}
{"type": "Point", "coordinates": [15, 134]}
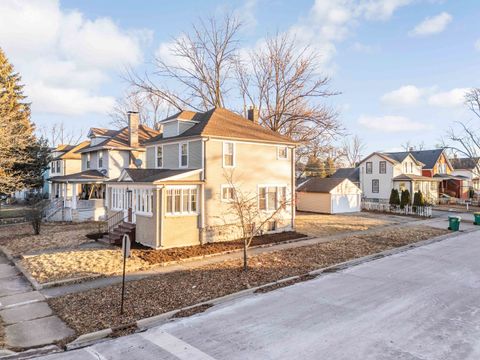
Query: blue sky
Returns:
{"type": "Point", "coordinates": [401, 66]}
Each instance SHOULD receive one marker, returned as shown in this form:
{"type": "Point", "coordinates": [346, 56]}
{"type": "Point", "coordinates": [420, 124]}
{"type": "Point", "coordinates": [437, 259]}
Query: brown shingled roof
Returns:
{"type": "Point", "coordinates": [219, 122]}
{"type": "Point", "coordinates": [73, 152]}
{"type": "Point", "coordinates": [120, 139]}
{"type": "Point", "coordinates": [103, 132]}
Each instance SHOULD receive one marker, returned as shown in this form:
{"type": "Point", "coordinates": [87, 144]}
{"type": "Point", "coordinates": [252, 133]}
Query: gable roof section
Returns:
{"type": "Point", "coordinates": [73, 152]}
{"type": "Point", "coordinates": [224, 123]}
{"type": "Point", "coordinates": [383, 156]}
{"type": "Point", "coordinates": [352, 174]}
{"type": "Point", "coordinates": [427, 157]}
{"type": "Point", "coordinates": [101, 132]}
{"type": "Point", "coordinates": [120, 139]}
{"type": "Point", "coordinates": [320, 185]}
{"type": "Point", "coordinates": [464, 163]}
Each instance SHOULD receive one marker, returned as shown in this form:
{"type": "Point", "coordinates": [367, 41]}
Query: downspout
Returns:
{"type": "Point", "coordinates": [292, 180]}
{"type": "Point", "coordinates": [202, 191]}
{"type": "Point", "coordinates": [159, 206]}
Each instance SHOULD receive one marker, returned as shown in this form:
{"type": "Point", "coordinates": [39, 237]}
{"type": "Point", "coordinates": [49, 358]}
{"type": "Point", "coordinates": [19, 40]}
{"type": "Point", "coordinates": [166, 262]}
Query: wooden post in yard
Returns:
{"type": "Point", "coordinates": [126, 253]}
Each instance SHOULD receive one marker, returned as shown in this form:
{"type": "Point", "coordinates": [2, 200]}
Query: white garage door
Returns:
{"type": "Point", "coordinates": [342, 203]}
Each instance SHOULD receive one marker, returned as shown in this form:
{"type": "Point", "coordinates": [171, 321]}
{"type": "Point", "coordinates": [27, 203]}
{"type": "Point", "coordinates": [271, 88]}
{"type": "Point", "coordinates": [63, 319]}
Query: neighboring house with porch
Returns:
{"type": "Point", "coordinates": [107, 153]}
{"type": "Point", "coordinates": [382, 172]}
{"type": "Point", "coordinates": [469, 170]}
{"type": "Point", "coordinates": [185, 194]}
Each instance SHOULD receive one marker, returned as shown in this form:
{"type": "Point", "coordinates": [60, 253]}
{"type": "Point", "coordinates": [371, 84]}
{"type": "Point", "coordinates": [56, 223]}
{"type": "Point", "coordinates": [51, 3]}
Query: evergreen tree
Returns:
{"type": "Point", "coordinates": [315, 167]}
{"type": "Point", "coordinates": [406, 199]}
{"type": "Point", "coordinates": [394, 197]}
{"type": "Point", "coordinates": [23, 157]}
{"type": "Point", "coordinates": [418, 199]}
{"type": "Point", "coordinates": [330, 166]}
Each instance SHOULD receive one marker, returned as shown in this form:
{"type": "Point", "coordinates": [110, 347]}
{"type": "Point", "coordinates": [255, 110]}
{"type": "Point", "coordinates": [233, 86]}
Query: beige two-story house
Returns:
{"type": "Point", "coordinates": [184, 196]}
{"type": "Point", "coordinates": [107, 153]}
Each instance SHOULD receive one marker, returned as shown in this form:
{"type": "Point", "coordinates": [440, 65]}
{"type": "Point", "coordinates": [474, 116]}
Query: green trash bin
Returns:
{"type": "Point", "coordinates": [477, 218]}
{"type": "Point", "coordinates": [454, 223]}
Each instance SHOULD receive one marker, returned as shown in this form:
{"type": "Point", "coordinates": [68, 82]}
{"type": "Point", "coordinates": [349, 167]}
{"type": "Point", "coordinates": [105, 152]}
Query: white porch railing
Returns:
{"type": "Point", "coordinates": [423, 211]}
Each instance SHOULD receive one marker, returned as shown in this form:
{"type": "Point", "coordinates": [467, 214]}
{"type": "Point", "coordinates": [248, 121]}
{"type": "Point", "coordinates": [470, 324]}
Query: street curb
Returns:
{"type": "Point", "coordinates": [147, 323]}
{"type": "Point", "coordinates": [88, 339]}
{"type": "Point", "coordinates": [33, 353]}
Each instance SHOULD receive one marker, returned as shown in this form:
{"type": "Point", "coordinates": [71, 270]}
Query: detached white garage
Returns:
{"type": "Point", "coordinates": [329, 196]}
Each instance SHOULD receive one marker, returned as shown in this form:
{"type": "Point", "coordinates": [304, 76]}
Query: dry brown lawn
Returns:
{"type": "Point", "coordinates": [19, 239]}
{"type": "Point", "coordinates": [81, 263]}
{"type": "Point", "coordinates": [324, 225]}
{"type": "Point", "coordinates": [99, 308]}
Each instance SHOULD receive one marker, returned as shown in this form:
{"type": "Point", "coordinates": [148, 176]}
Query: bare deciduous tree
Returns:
{"type": "Point", "coordinates": [203, 66]}
{"type": "Point", "coordinates": [465, 140]}
{"type": "Point", "coordinates": [284, 81]}
{"type": "Point", "coordinates": [353, 148]}
{"type": "Point", "coordinates": [410, 146]}
{"type": "Point", "coordinates": [150, 107]}
{"type": "Point", "coordinates": [56, 134]}
{"type": "Point", "coordinates": [245, 212]}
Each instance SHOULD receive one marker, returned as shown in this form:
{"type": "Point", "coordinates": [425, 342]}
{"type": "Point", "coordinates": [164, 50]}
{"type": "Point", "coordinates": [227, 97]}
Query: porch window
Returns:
{"type": "Point", "coordinates": [375, 186]}
{"type": "Point", "coordinates": [184, 155]}
{"type": "Point", "coordinates": [228, 154]}
{"type": "Point", "coordinates": [182, 200]}
{"type": "Point", "coordinates": [369, 167]}
{"type": "Point", "coordinates": [433, 186]}
{"type": "Point", "coordinates": [383, 167]}
{"type": "Point", "coordinates": [271, 198]}
{"type": "Point", "coordinates": [143, 201]}
{"type": "Point", "coordinates": [159, 156]}
{"type": "Point", "coordinates": [416, 185]}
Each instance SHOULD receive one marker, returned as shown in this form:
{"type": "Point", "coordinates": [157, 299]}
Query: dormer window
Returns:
{"type": "Point", "coordinates": [228, 154]}
{"type": "Point", "coordinates": [183, 154]}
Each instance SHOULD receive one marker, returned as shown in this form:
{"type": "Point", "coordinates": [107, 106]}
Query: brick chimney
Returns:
{"type": "Point", "coordinates": [133, 122]}
{"type": "Point", "coordinates": [252, 114]}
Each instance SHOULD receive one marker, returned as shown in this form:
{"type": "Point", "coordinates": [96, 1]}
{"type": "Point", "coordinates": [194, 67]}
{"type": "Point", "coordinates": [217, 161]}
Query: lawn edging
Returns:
{"type": "Point", "coordinates": [153, 321]}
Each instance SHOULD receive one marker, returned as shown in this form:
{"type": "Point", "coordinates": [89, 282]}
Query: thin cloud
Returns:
{"type": "Point", "coordinates": [452, 98]}
{"type": "Point", "coordinates": [405, 95]}
{"type": "Point", "coordinates": [432, 25]}
{"type": "Point", "coordinates": [391, 123]}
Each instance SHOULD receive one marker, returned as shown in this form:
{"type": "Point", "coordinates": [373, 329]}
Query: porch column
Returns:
{"type": "Point", "coordinates": [74, 196]}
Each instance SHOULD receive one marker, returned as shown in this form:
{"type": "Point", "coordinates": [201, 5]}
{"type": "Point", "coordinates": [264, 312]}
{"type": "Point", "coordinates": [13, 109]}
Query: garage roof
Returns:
{"type": "Point", "coordinates": [319, 185]}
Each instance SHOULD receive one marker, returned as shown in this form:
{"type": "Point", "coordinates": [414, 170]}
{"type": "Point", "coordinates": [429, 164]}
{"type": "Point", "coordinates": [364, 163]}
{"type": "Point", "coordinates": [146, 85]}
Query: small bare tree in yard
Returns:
{"type": "Point", "coordinates": [353, 148]}
{"type": "Point", "coordinates": [465, 140]}
{"type": "Point", "coordinates": [36, 211]}
{"type": "Point", "coordinates": [247, 212]}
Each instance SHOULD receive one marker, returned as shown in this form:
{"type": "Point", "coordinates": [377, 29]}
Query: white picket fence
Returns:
{"type": "Point", "coordinates": [423, 211]}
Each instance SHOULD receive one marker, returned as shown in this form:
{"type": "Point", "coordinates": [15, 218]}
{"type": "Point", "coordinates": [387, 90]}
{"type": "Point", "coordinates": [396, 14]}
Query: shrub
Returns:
{"type": "Point", "coordinates": [394, 197]}
{"type": "Point", "coordinates": [406, 199]}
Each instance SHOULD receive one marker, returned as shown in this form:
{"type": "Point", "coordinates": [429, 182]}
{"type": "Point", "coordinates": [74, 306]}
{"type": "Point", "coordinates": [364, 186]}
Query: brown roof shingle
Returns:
{"type": "Point", "coordinates": [224, 123]}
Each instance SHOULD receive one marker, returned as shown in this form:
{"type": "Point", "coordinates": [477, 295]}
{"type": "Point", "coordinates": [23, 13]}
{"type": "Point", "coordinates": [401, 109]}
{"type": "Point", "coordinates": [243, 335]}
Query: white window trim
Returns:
{"type": "Point", "coordinates": [156, 156]}
{"type": "Point", "coordinates": [234, 154]}
{"type": "Point", "coordinates": [180, 154]}
{"type": "Point", "coordinates": [226, 186]}
{"type": "Point", "coordinates": [182, 188]}
{"type": "Point", "coordinates": [277, 205]}
{"type": "Point", "coordinates": [278, 153]}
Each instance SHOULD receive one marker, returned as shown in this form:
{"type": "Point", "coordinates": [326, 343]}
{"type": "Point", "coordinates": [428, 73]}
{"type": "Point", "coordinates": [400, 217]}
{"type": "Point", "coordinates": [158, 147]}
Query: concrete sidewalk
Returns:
{"type": "Point", "coordinates": [419, 304]}
{"type": "Point", "coordinates": [29, 321]}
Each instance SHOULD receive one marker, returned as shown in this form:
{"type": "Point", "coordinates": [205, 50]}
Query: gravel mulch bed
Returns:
{"type": "Point", "coordinates": [19, 239]}
{"type": "Point", "coordinates": [99, 308]}
{"type": "Point", "coordinates": [80, 263]}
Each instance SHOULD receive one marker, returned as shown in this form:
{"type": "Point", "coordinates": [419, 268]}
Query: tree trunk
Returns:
{"type": "Point", "coordinates": [245, 258]}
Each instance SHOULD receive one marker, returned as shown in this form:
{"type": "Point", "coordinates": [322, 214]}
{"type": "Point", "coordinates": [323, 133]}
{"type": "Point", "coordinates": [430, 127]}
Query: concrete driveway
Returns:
{"type": "Point", "coordinates": [421, 304]}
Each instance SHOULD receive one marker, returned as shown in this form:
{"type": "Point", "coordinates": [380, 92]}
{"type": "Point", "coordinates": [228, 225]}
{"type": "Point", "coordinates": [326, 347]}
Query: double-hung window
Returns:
{"type": "Point", "coordinates": [271, 198]}
{"type": "Point", "coordinates": [88, 161]}
{"type": "Point", "coordinates": [369, 167]}
{"type": "Point", "coordinates": [100, 159]}
{"type": "Point", "coordinates": [228, 154]}
{"type": "Point", "coordinates": [159, 156]}
{"type": "Point", "coordinates": [228, 192]}
{"type": "Point", "coordinates": [183, 155]}
{"type": "Point", "coordinates": [375, 186]}
{"type": "Point", "coordinates": [383, 167]}
{"type": "Point", "coordinates": [182, 200]}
